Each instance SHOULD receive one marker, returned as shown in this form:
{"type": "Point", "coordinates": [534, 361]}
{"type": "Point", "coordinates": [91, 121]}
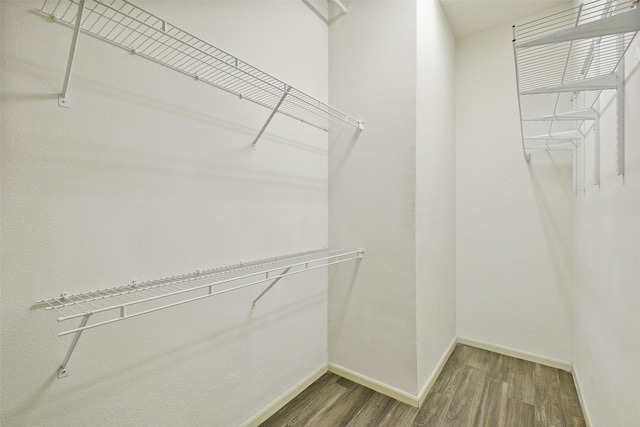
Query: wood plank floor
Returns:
{"type": "Point", "coordinates": [475, 388]}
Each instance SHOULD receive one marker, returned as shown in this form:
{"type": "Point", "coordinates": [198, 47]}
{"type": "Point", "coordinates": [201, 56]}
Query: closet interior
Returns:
{"type": "Point", "coordinates": [488, 279]}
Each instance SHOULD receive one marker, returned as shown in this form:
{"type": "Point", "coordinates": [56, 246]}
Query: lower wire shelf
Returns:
{"type": "Point", "coordinates": [124, 302]}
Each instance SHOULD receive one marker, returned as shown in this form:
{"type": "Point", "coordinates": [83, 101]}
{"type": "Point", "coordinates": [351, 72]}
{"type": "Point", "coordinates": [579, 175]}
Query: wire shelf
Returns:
{"type": "Point", "coordinates": [574, 51]}
{"type": "Point", "coordinates": [111, 305]}
{"type": "Point", "coordinates": [130, 27]}
{"type": "Point", "coordinates": [135, 299]}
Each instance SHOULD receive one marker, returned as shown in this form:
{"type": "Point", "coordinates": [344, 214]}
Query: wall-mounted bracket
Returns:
{"type": "Point", "coordinates": [63, 370]}
{"type": "Point", "coordinates": [284, 272]}
{"type": "Point", "coordinates": [287, 88]}
{"type": "Point", "coordinates": [63, 98]}
{"type": "Point", "coordinates": [360, 255]}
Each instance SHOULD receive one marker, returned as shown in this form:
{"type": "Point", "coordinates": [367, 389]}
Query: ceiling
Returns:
{"type": "Point", "coordinates": [470, 16]}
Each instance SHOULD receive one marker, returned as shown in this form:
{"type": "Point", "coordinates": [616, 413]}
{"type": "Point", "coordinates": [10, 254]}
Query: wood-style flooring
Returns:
{"type": "Point", "coordinates": [475, 388]}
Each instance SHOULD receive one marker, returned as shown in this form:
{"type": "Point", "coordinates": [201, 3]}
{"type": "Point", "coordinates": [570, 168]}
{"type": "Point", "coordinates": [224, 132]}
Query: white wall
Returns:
{"type": "Point", "coordinates": [372, 178]}
{"type": "Point", "coordinates": [607, 274]}
{"type": "Point", "coordinates": [435, 189]}
{"type": "Point", "coordinates": [392, 191]}
{"type": "Point", "coordinates": [513, 218]}
{"type": "Point", "coordinates": [540, 269]}
{"type": "Point", "coordinates": [151, 174]}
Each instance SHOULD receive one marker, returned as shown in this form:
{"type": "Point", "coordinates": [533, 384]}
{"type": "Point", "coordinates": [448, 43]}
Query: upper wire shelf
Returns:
{"type": "Point", "coordinates": [109, 305]}
{"type": "Point", "coordinates": [576, 51]}
{"type": "Point", "coordinates": [130, 27]}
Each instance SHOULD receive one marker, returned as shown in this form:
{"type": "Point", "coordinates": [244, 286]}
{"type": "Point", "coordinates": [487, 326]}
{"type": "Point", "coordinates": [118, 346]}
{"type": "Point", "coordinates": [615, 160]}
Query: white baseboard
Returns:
{"type": "Point", "coordinates": [434, 375]}
{"type": "Point", "coordinates": [408, 398]}
{"type": "Point", "coordinates": [375, 385]}
{"type": "Point", "coordinates": [554, 363]}
{"type": "Point", "coordinates": [583, 401]}
{"type": "Point", "coordinates": [275, 406]}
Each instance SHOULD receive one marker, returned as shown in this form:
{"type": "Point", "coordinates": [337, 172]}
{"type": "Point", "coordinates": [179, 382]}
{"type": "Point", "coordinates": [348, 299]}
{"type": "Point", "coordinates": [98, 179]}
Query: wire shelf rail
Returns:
{"type": "Point", "coordinates": [563, 63]}
{"type": "Point", "coordinates": [124, 302]}
{"type": "Point", "coordinates": [130, 27]}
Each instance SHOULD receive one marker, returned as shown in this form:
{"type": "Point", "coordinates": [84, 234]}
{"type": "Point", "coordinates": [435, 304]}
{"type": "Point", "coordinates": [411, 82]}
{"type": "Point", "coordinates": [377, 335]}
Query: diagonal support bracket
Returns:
{"type": "Point", "coordinates": [63, 370]}
{"type": "Point", "coordinates": [63, 99]}
{"type": "Point", "coordinates": [620, 113]}
{"type": "Point", "coordinates": [273, 113]}
{"type": "Point", "coordinates": [286, 270]}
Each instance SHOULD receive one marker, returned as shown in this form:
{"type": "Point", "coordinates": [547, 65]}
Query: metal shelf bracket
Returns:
{"type": "Point", "coordinates": [273, 113]}
{"type": "Point", "coordinates": [286, 270]}
{"type": "Point", "coordinates": [359, 254]}
{"type": "Point", "coordinates": [63, 98]}
{"type": "Point", "coordinates": [63, 370]}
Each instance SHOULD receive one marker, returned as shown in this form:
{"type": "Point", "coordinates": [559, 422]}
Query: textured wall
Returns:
{"type": "Point", "coordinates": [606, 299]}
{"type": "Point", "coordinates": [514, 219]}
{"type": "Point", "coordinates": [435, 189]}
{"type": "Point", "coordinates": [539, 269]}
{"type": "Point", "coordinates": [151, 174]}
{"type": "Point", "coordinates": [372, 179]}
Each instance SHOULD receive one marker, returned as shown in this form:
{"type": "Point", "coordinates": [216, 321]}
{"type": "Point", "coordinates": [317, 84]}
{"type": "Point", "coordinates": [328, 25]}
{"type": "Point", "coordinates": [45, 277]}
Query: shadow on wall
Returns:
{"type": "Point", "coordinates": [341, 153]}
{"type": "Point", "coordinates": [551, 180]}
{"type": "Point", "coordinates": [153, 364]}
{"type": "Point", "coordinates": [334, 275]}
{"type": "Point", "coordinates": [174, 107]}
{"type": "Point", "coordinates": [132, 164]}
{"type": "Point", "coordinates": [136, 162]}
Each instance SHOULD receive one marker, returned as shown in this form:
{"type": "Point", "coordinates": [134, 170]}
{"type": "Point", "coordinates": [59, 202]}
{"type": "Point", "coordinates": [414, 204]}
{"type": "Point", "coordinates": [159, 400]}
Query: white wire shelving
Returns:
{"type": "Point", "coordinates": [563, 63]}
{"type": "Point", "coordinates": [132, 28]}
{"type": "Point", "coordinates": [106, 306]}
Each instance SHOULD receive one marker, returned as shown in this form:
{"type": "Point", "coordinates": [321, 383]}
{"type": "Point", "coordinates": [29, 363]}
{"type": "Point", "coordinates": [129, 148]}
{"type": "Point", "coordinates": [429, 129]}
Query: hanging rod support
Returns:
{"type": "Point", "coordinates": [63, 99]}
{"type": "Point", "coordinates": [284, 272]}
{"type": "Point", "coordinates": [273, 113]}
{"type": "Point", "coordinates": [63, 370]}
